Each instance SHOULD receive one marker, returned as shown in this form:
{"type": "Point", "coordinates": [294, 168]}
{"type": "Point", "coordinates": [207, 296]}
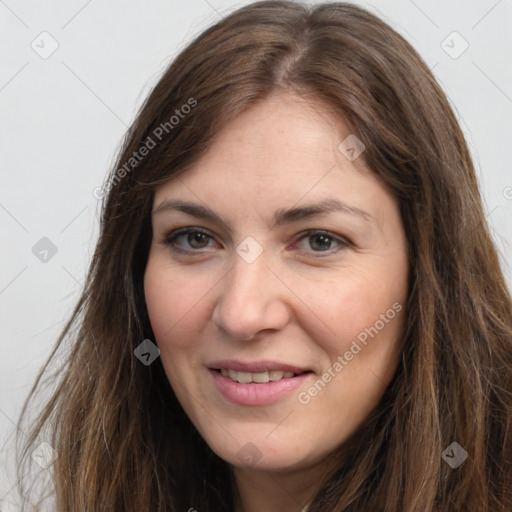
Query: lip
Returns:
{"type": "Point", "coordinates": [255, 366]}
{"type": "Point", "coordinates": [256, 393]}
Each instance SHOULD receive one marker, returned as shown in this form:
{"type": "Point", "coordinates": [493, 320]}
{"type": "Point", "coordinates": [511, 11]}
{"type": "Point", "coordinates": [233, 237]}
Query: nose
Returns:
{"type": "Point", "coordinates": [251, 301]}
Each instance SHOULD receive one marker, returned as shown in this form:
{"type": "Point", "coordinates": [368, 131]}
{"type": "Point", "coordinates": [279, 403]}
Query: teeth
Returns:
{"type": "Point", "coordinates": [259, 377]}
{"type": "Point", "coordinates": [275, 375]}
{"type": "Point", "coordinates": [244, 377]}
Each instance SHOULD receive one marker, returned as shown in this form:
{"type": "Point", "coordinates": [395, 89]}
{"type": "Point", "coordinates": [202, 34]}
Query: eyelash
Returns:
{"type": "Point", "coordinates": [170, 240]}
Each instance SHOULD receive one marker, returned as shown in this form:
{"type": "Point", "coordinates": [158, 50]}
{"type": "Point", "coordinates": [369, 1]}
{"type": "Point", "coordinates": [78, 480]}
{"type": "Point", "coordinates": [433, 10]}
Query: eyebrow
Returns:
{"type": "Point", "coordinates": [281, 216]}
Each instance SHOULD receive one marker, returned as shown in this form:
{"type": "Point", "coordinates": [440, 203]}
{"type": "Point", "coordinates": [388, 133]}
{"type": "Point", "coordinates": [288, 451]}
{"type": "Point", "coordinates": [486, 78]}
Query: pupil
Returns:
{"type": "Point", "coordinates": [197, 239]}
{"type": "Point", "coordinates": [324, 242]}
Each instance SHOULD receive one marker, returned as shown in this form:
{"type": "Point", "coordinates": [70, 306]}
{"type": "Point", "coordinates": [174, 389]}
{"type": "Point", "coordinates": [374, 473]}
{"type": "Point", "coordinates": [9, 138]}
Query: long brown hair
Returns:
{"type": "Point", "coordinates": [122, 438]}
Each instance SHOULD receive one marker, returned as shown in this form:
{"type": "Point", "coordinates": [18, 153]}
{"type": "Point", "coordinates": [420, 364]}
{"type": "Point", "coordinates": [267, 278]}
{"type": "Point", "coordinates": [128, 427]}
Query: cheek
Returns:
{"type": "Point", "coordinates": [175, 305]}
{"type": "Point", "coordinates": [349, 307]}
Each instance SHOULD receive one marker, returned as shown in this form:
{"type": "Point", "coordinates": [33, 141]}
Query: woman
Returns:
{"type": "Point", "coordinates": [295, 302]}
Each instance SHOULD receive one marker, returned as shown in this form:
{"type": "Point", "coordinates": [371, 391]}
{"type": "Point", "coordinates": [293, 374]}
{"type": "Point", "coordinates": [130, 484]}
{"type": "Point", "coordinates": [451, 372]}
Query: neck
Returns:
{"type": "Point", "coordinates": [275, 491]}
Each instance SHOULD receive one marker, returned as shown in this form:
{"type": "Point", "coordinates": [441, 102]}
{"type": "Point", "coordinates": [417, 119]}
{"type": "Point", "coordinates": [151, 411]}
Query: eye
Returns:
{"type": "Point", "coordinates": [188, 239]}
{"type": "Point", "coordinates": [193, 239]}
{"type": "Point", "coordinates": [321, 241]}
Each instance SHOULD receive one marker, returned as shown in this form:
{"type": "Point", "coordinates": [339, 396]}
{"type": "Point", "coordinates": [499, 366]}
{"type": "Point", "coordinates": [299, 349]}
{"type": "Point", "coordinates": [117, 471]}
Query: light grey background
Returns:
{"type": "Point", "coordinates": [63, 117]}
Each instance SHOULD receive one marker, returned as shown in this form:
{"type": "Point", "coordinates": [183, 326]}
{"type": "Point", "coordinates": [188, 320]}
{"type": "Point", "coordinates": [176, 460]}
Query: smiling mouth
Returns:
{"type": "Point", "coordinates": [258, 377]}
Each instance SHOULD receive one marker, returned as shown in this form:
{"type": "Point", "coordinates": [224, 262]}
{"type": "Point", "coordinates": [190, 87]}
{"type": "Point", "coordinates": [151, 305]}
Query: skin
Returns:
{"type": "Point", "coordinates": [303, 301]}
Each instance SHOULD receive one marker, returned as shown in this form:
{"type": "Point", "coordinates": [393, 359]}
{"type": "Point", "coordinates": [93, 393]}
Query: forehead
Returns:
{"type": "Point", "coordinates": [285, 145]}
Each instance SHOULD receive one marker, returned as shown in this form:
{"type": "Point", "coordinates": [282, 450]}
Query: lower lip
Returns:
{"type": "Point", "coordinates": [256, 393]}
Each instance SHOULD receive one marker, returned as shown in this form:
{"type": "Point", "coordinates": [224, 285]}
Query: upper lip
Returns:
{"type": "Point", "coordinates": [255, 366]}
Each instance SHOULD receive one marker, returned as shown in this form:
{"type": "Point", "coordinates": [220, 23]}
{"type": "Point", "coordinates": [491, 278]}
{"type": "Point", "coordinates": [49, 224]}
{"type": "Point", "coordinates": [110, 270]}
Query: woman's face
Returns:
{"type": "Point", "coordinates": [279, 310]}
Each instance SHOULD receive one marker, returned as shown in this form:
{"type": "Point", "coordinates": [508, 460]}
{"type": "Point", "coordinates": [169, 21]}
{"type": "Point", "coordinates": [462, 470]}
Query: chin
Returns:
{"type": "Point", "coordinates": [262, 454]}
